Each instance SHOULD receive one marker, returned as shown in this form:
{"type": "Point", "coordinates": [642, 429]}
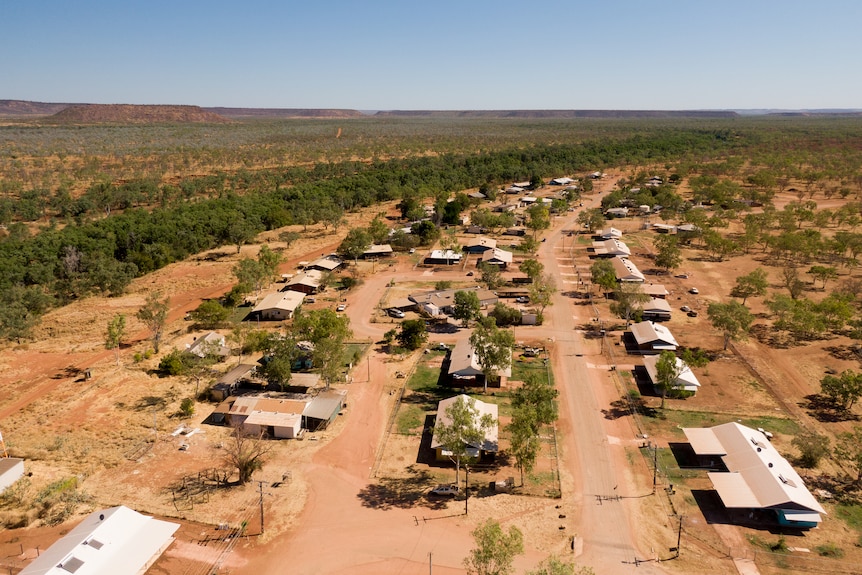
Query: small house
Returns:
{"type": "Point", "coordinates": [656, 309]}
{"type": "Point", "coordinates": [328, 263]}
{"type": "Point", "coordinates": [652, 338]}
{"type": "Point", "coordinates": [487, 448]}
{"type": "Point", "coordinates": [227, 384]}
{"type": "Point", "coordinates": [686, 382]}
{"type": "Point", "coordinates": [324, 409]}
{"type": "Point", "coordinates": [480, 245]}
{"type": "Point", "coordinates": [443, 257]}
{"type": "Point", "coordinates": [617, 212]}
{"type": "Point", "coordinates": [611, 248]}
{"type": "Point", "coordinates": [376, 251]}
{"type": "Point", "coordinates": [279, 306]}
{"type": "Point", "coordinates": [208, 345]}
{"type": "Point", "coordinates": [609, 234]}
{"type": "Point", "coordinates": [308, 282]}
{"type": "Point", "coordinates": [464, 368]}
{"type": "Point", "coordinates": [626, 270]}
{"type": "Point", "coordinates": [561, 181]}
{"type": "Point", "coordinates": [498, 257]}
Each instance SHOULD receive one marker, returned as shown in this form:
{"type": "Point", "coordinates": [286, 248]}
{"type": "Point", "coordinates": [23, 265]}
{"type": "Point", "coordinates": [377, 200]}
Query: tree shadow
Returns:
{"type": "Point", "coordinates": [822, 408]}
{"type": "Point", "coordinates": [400, 492]}
{"type": "Point", "coordinates": [149, 402]}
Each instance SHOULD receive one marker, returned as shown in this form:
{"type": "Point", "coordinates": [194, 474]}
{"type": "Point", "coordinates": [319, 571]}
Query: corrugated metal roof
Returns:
{"type": "Point", "coordinates": [490, 442]}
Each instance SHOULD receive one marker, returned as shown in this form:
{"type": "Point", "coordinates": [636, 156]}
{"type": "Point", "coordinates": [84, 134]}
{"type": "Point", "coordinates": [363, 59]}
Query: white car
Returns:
{"type": "Point", "coordinates": [393, 312]}
{"type": "Point", "coordinates": [693, 291]}
{"type": "Point", "coordinates": [522, 299]}
{"type": "Point", "coordinates": [341, 307]}
{"type": "Point", "coordinates": [444, 491]}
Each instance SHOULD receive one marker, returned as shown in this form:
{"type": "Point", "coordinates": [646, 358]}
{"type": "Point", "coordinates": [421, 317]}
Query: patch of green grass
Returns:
{"type": "Point", "coordinates": [851, 515]}
{"type": "Point", "coordinates": [830, 550]}
{"type": "Point", "coordinates": [353, 353]}
{"type": "Point", "coordinates": [535, 366]}
{"type": "Point", "coordinates": [424, 379]}
{"type": "Point", "coordinates": [239, 313]}
{"type": "Point", "coordinates": [674, 420]}
{"type": "Point", "coordinates": [410, 419]}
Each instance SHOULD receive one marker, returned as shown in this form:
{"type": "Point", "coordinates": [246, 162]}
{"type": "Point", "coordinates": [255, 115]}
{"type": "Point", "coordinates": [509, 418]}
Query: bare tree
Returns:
{"type": "Point", "coordinates": [247, 453]}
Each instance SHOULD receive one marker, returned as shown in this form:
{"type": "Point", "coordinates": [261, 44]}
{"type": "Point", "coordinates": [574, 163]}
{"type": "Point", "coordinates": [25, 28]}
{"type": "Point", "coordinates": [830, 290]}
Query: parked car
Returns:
{"type": "Point", "coordinates": [444, 491]}
{"type": "Point", "coordinates": [685, 308]}
{"type": "Point", "coordinates": [469, 273]}
{"type": "Point", "coordinates": [341, 307]}
{"type": "Point", "coordinates": [522, 299]}
{"type": "Point", "coordinates": [692, 313]}
{"type": "Point", "coordinates": [693, 291]}
{"type": "Point", "coordinates": [394, 312]}
{"type": "Point", "coordinates": [441, 346]}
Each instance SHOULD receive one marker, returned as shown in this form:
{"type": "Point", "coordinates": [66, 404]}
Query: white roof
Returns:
{"type": "Point", "coordinates": [686, 379]}
{"type": "Point", "coordinates": [491, 434]}
{"type": "Point", "coordinates": [484, 242]}
{"type": "Point", "coordinates": [286, 300]}
{"type": "Point", "coordinates": [561, 181]}
{"type": "Point", "coordinates": [759, 477]}
{"type": "Point", "coordinates": [500, 256]}
{"type": "Point", "coordinates": [376, 249]}
{"type": "Point", "coordinates": [612, 247]}
{"type": "Point", "coordinates": [654, 333]}
{"type": "Point", "coordinates": [522, 184]}
{"type": "Point", "coordinates": [444, 255]}
{"type": "Point", "coordinates": [610, 233]}
{"type": "Point", "coordinates": [115, 541]}
{"type": "Point", "coordinates": [328, 263]}
{"type": "Point", "coordinates": [657, 305]}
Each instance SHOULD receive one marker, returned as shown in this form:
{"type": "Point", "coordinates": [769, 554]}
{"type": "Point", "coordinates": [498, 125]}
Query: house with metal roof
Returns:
{"type": "Point", "coordinates": [325, 264]}
{"type": "Point", "coordinates": [377, 251]}
{"type": "Point", "coordinates": [489, 445]}
{"type": "Point", "coordinates": [480, 245]}
{"type": "Point", "coordinates": [561, 181]}
{"type": "Point", "coordinates": [227, 384]}
{"type": "Point", "coordinates": [609, 234]}
{"type": "Point", "coordinates": [323, 409]}
{"type": "Point", "coordinates": [757, 476]}
{"type": "Point", "coordinates": [443, 301]}
{"type": "Point", "coordinates": [279, 305]}
{"type": "Point", "coordinates": [686, 381]}
{"type": "Point", "coordinates": [307, 282]}
{"type": "Point", "coordinates": [464, 368]}
{"type": "Point", "coordinates": [209, 344]}
{"type": "Point", "coordinates": [498, 257]}
{"type": "Point", "coordinates": [115, 541]}
{"type": "Point", "coordinates": [626, 270]}
{"type": "Point", "coordinates": [656, 309]}
{"type": "Point", "coordinates": [650, 338]}
{"type": "Point", "coordinates": [657, 291]}
{"type": "Point", "coordinates": [443, 257]}
{"type": "Point", "coordinates": [610, 248]}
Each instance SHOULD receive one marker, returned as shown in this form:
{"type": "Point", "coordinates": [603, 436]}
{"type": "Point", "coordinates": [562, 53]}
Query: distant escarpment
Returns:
{"type": "Point", "coordinates": [135, 114]}
{"type": "Point", "coordinates": [562, 113]}
{"type": "Point", "coordinates": [284, 113]}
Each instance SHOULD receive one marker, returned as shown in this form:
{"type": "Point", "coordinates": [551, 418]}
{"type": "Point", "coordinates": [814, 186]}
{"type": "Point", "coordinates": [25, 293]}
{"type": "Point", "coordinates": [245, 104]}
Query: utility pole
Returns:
{"type": "Point", "coordinates": [654, 467]}
{"type": "Point", "coordinates": [466, 487]}
{"type": "Point", "coordinates": [429, 563]}
{"type": "Point", "coordinates": [679, 535]}
{"type": "Point", "coordinates": [260, 490]}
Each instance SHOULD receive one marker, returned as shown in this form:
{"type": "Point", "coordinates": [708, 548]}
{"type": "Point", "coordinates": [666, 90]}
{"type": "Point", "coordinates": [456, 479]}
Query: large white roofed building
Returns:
{"type": "Point", "coordinates": [758, 476]}
{"type": "Point", "coordinates": [115, 541]}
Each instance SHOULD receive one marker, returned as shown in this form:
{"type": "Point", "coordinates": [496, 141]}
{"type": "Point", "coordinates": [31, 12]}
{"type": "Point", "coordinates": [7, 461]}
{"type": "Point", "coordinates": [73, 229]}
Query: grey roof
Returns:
{"type": "Point", "coordinates": [236, 373]}
{"type": "Point", "coordinates": [325, 404]}
{"type": "Point", "coordinates": [463, 361]}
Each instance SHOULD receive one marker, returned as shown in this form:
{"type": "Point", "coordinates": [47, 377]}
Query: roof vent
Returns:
{"type": "Point", "coordinates": [769, 464]}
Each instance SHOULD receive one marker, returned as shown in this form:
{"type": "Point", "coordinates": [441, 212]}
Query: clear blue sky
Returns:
{"type": "Point", "coordinates": [435, 54]}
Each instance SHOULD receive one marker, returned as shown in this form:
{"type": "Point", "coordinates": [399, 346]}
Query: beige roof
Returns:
{"type": "Point", "coordinates": [484, 242]}
{"type": "Point", "coordinates": [626, 271]}
{"type": "Point", "coordinates": [285, 300]}
{"type": "Point", "coordinates": [647, 332]}
{"type": "Point", "coordinates": [327, 263]}
{"type": "Point", "coordinates": [444, 298]}
{"type": "Point", "coordinates": [491, 434]}
{"type": "Point", "coordinates": [759, 477]}
{"type": "Point", "coordinates": [610, 234]}
{"type": "Point", "coordinates": [654, 290]}
{"type": "Point", "coordinates": [378, 249]}
{"type": "Point", "coordinates": [274, 419]}
{"type": "Point", "coordinates": [657, 305]}
{"type": "Point", "coordinates": [311, 278]}
{"type": "Point", "coordinates": [248, 403]}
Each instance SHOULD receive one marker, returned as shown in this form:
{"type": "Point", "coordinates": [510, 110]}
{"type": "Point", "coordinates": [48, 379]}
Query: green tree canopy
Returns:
{"type": "Point", "coordinates": [750, 285]}
{"type": "Point", "coordinates": [467, 306]}
{"type": "Point", "coordinates": [603, 275]}
{"type": "Point", "coordinates": [154, 314]}
{"type": "Point", "coordinates": [413, 334]}
{"type": "Point", "coordinates": [495, 550]}
{"type": "Point", "coordinates": [844, 391]}
{"type": "Point", "coordinates": [733, 319]}
{"type": "Point", "coordinates": [463, 426]}
{"type": "Point", "coordinates": [493, 348]}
